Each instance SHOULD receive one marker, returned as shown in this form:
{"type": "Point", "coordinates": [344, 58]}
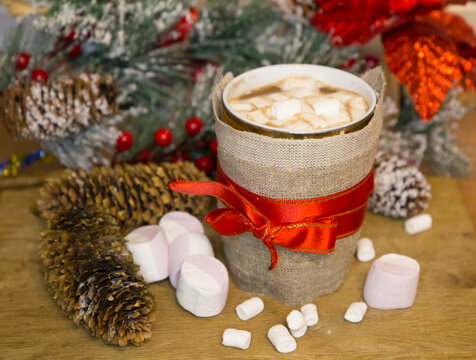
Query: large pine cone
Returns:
{"type": "Point", "coordinates": [401, 190]}
{"type": "Point", "coordinates": [135, 194]}
{"type": "Point", "coordinates": [92, 276]}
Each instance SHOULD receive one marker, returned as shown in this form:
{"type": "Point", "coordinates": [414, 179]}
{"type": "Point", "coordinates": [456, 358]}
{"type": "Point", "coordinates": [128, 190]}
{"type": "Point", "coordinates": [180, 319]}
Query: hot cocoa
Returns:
{"type": "Point", "coordinates": [299, 103]}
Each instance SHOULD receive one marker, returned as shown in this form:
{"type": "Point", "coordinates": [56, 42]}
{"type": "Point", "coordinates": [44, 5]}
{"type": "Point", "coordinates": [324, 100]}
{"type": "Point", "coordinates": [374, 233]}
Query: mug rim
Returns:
{"type": "Point", "coordinates": [361, 122]}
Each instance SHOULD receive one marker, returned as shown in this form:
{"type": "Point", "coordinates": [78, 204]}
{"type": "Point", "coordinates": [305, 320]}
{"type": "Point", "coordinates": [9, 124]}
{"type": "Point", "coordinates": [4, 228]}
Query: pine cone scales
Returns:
{"type": "Point", "coordinates": [92, 276]}
{"type": "Point", "coordinates": [401, 190]}
{"type": "Point", "coordinates": [57, 109]}
{"type": "Point", "coordinates": [134, 194]}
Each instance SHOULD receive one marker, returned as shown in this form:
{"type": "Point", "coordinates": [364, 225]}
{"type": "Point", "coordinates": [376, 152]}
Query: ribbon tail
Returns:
{"type": "Point", "coordinates": [228, 222]}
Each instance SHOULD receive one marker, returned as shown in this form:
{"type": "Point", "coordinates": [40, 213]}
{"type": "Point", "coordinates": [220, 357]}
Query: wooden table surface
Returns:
{"type": "Point", "coordinates": [440, 325]}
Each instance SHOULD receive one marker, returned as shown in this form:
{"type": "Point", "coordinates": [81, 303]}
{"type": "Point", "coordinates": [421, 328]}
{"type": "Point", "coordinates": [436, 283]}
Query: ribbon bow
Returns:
{"type": "Point", "coordinates": [309, 225]}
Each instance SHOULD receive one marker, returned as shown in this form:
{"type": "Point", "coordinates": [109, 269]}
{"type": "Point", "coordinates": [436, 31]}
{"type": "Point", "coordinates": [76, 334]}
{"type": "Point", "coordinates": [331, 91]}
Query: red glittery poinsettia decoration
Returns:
{"type": "Point", "coordinates": [428, 49]}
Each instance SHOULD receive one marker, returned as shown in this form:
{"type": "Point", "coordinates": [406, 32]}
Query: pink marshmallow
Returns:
{"type": "Point", "coordinates": [186, 245]}
{"type": "Point", "coordinates": [202, 287]}
{"type": "Point", "coordinates": [176, 223]}
{"type": "Point", "coordinates": [392, 282]}
{"type": "Point", "coordinates": [150, 251]}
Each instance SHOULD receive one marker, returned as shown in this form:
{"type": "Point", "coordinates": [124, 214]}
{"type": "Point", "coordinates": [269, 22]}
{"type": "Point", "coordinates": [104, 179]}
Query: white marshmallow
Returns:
{"type": "Point", "coordinates": [298, 82]}
{"type": "Point", "coordinates": [299, 126]}
{"type": "Point", "coordinates": [317, 121]}
{"type": "Point", "coordinates": [418, 224]}
{"type": "Point", "coordinates": [285, 109]}
{"type": "Point", "coordinates": [186, 245]}
{"type": "Point", "coordinates": [281, 339]}
{"type": "Point", "coordinates": [277, 97]}
{"type": "Point", "coordinates": [258, 117]}
{"type": "Point", "coordinates": [328, 107]}
{"type": "Point", "coordinates": [358, 102]}
{"type": "Point", "coordinates": [241, 106]}
{"type": "Point", "coordinates": [236, 338]}
{"type": "Point", "coordinates": [249, 308]}
{"type": "Point", "coordinates": [301, 92]}
{"type": "Point", "coordinates": [259, 102]}
{"type": "Point", "coordinates": [150, 251]}
{"type": "Point", "coordinates": [355, 312]}
{"type": "Point", "coordinates": [176, 223]}
{"type": "Point", "coordinates": [365, 250]}
{"type": "Point", "coordinates": [295, 320]}
{"type": "Point", "coordinates": [309, 311]}
{"type": "Point", "coordinates": [392, 282]}
{"type": "Point", "coordinates": [338, 119]}
{"type": "Point", "coordinates": [202, 287]}
{"type": "Point", "coordinates": [357, 113]}
{"type": "Point", "coordinates": [299, 332]}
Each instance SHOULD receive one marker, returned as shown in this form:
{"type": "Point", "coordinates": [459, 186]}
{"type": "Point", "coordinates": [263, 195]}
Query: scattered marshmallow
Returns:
{"type": "Point", "coordinates": [285, 109]}
{"type": "Point", "coordinates": [202, 287]}
{"type": "Point", "coordinates": [392, 282]}
{"type": "Point", "coordinates": [296, 323]}
{"type": "Point", "coordinates": [236, 338]}
{"type": "Point", "coordinates": [249, 308]}
{"type": "Point", "coordinates": [281, 339]}
{"type": "Point", "coordinates": [176, 223]}
{"type": "Point", "coordinates": [309, 311]}
{"type": "Point", "coordinates": [299, 126]}
{"type": "Point", "coordinates": [150, 251]}
{"type": "Point", "coordinates": [183, 246]}
{"type": "Point", "coordinates": [355, 312]}
{"type": "Point", "coordinates": [365, 250]}
{"type": "Point", "coordinates": [328, 107]}
{"type": "Point", "coordinates": [418, 224]}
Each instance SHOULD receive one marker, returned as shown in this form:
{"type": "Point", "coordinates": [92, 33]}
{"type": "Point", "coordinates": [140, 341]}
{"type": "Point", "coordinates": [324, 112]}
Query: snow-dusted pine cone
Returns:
{"type": "Point", "coordinates": [59, 108]}
{"type": "Point", "coordinates": [401, 190]}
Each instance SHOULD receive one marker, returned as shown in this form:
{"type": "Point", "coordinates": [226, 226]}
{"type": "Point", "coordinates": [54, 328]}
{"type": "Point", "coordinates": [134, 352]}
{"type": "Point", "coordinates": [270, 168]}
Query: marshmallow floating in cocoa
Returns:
{"type": "Point", "coordinates": [418, 224]}
{"type": "Point", "coordinates": [392, 282]}
{"type": "Point", "coordinates": [309, 311]}
{"type": "Point", "coordinates": [355, 312]}
{"type": "Point", "coordinates": [365, 250]}
{"type": "Point", "coordinates": [249, 308]}
{"type": "Point", "coordinates": [285, 109]}
{"type": "Point", "coordinates": [236, 338]}
{"type": "Point", "coordinates": [150, 251]}
{"type": "Point", "coordinates": [329, 107]}
{"type": "Point", "coordinates": [176, 223]}
{"type": "Point", "coordinates": [202, 288]}
{"type": "Point", "coordinates": [281, 339]}
{"type": "Point", "coordinates": [183, 246]}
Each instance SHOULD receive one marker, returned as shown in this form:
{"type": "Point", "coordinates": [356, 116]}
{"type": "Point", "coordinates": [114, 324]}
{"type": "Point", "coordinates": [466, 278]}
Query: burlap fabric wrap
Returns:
{"type": "Point", "coordinates": [294, 169]}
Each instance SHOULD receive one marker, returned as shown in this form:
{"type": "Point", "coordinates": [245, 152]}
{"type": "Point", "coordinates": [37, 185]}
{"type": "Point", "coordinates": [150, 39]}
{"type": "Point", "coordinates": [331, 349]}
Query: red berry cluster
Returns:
{"type": "Point", "coordinates": [163, 137]}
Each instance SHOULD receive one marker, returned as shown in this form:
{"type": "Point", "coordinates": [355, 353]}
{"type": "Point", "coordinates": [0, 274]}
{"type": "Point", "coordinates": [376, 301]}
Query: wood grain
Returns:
{"type": "Point", "coordinates": [441, 324]}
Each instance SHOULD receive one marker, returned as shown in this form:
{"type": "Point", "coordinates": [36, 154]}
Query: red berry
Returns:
{"type": "Point", "coordinates": [23, 59]}
{"type": "Point", "coordinates": [144, 156]}
{"type": "Point", "coordinates": [205, 163]}
{"type": "Point", "coordinates": [124, 141]}
{"type": "Point", "coordinates": [347, 64]}
{"type": "Point", "coordinates": [180, 156]}
{"type": "Point", "coordinates": [70, 37]}
{"type": "Point", "coordinates": [39, 75]}
{"type": "Point", "coordinates": [75, 51]}
{"type": "Point", "coordinates": [371, 62]}
{"type": "Point", "coordinates": [213, 146]}
{"type": "Point", "coordinates": [193, 126]}
{"type": "Point", "coordinates": [163, 137]}
{"type": "Point", "coordinates": [197, 74]}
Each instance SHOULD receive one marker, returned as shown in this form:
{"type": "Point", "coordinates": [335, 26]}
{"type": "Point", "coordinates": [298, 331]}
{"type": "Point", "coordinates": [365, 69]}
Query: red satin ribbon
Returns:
{"type": "Point", "coordinates": [309, 225]}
